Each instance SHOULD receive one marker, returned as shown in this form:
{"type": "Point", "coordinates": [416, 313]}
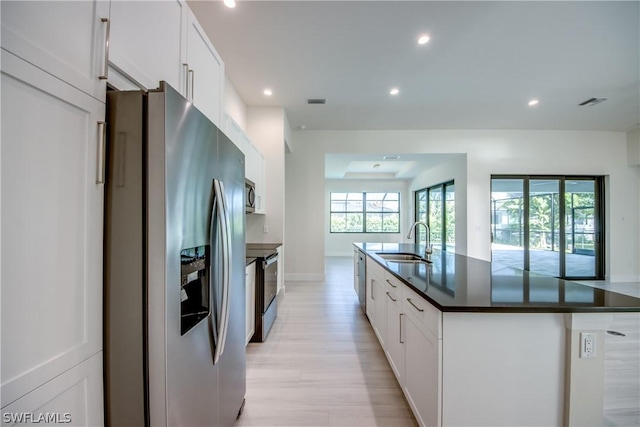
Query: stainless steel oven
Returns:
{"type": "Point", "coordinates": [266, 290]}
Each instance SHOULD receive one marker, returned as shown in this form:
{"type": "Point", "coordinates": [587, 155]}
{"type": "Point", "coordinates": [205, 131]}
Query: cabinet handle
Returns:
{"type": "Point", "coordinates": [392, 298]}
{"type": "Point", "coordinates": [105, 71]}
{"type": "Point", "coordinates": [100, 165]}
{"type": "Point", "coordinates": [373, 297]}
{"type": "Point", "coordinates": [416, 307]}
{"type": "Point", "coordinates": [186, 80]}
{"type": "Point", "coordinates": [391, 283]}
{"type": "Point", "coordinates": [401, 342]}
{"type": "Point", "coordinates": [193, 84]}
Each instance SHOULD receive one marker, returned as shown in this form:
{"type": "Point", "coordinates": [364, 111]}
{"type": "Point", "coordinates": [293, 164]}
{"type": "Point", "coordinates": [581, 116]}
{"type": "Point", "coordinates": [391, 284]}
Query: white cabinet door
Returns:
{"type": "Point", "coordinates": [371, 275]}
{"type": "Point", "coordinates": [74, 398]}
{"type": "Point", "coordinates": [260, 181]}
{"type": "Point", "coordinates": [205, 72]}
{"type": "Point", "coordinates": [146, 41]}
{"type": "Point", "coordinates": [394, 339]}
{"type": "Point", "coordinates": [356, 272]}
{"type": "Point", "coordinates": [236, 135]}
{"type": "Point", "coordinates": [380, 313]}
{"type": "Point", "coordinates": [422, 383]}
{"type": "Point", "coordinates": [52, 227]}
{"type": "Point", "coordinates": [67, 39]}
{"type": "Point", "coordinates": [250, 288]}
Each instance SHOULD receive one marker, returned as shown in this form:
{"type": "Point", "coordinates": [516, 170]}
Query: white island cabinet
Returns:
{"type": "Point", "coordinates": [52, 222]}
{"type": "Point", "coordinates": [395, 349]}
{"type": "Point", "coordinates": [376, 300]}
{"type": "Point", "coordinates": [472, 345]}
{"type": "Point", "coordinates": [460, 369]}
{"type": "Point", "coordinates": [423, 358]}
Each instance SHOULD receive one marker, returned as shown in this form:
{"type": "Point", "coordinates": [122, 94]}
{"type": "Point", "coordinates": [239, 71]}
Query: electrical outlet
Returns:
{"type": "Point", "coordinates": [587, 345]}
{"type": "Point", "coordinates": [265, 229]}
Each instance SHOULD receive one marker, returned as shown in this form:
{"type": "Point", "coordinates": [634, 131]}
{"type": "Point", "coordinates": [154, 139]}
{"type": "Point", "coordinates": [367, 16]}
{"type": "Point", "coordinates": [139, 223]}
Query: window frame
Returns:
{"type": "Point", "coordinates": [599, 209]}
{"type": "Point", "coordinates": [364, 212]}
{"type": "Point", "coordinates": [444, 220]}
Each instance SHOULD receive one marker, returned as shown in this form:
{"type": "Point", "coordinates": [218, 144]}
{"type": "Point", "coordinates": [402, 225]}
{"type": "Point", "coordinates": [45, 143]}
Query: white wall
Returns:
{"type": "Point", "coordinates": [487, 152]}
{"type": "Point", "coordinates": [341, 244]}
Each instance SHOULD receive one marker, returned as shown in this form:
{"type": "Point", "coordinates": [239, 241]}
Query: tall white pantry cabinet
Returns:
{"type": "Point", "coordinates": [56, 59]}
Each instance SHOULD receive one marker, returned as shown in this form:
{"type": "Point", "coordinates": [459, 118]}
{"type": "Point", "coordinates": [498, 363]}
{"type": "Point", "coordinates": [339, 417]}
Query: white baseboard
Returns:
{"type": "Point", "coordinates": [339, 253]}
{"type": "Point", "coordinates": [303, 277]}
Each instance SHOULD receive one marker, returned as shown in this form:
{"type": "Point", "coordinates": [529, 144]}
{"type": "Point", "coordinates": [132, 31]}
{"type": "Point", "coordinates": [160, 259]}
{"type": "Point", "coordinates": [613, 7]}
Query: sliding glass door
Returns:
{"type": "Point", "coordinates": [580, 227]}
{"type": "Point", "coordinates": [548, 225]}
{"type": "Point", "coordinates": [544, 226]}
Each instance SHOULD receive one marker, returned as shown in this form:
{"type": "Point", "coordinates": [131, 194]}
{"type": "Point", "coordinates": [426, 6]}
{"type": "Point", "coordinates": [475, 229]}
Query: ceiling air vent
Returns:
{"type": "Point", "coordinates": [313, 101]}
{"type": "Point", "coordinates": [391, 157]}
{"type": "Point", "coordinates": [591, 102]}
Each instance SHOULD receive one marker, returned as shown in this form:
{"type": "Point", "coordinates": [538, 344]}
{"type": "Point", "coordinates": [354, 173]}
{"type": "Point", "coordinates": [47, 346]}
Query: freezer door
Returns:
{"type": "Point", "coordinates": [182, 163]}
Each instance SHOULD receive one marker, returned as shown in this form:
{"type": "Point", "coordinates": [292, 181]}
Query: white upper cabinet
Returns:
{"type": "Point", "coordinates": [260, 181]}
{"type": "Point", "coordinates": [205, 73]}
{"type": "Point", "coordinates": [253, 160]}
{"type": "Point", "coordinates": [52, 227]}
{"type": "Point", "coordinates": [146, 41]}
{"type": "Point", "coordinates": [67, 39]}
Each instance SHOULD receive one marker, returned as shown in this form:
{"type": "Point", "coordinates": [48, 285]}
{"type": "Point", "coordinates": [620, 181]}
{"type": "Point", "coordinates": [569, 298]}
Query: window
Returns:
{"type": "Point", "coordinates": [365, 213]}
{"type": "Point", "coordinates": [551, 225]}
{"type": "Point", "coordinates": [436, 207]}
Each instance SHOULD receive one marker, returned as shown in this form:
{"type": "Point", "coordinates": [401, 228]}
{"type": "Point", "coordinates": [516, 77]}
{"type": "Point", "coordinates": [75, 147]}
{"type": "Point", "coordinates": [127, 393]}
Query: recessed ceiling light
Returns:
{"type": "Point", "coordinates": [394, 91]}
{"type": "Point", "coordinates": [533, 102]}
{"type": "Point", "coordinates": [230, 3]}
{"type": "Point", "coordinates": [424, 39]}
{"type": "Point", "coordinates": [268, 92]}
{"type": "Point", "coordinates": [302, 127]}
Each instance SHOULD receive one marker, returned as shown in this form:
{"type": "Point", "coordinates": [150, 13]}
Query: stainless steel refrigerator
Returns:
{"type": "Point", "coordinates": [174, 265]}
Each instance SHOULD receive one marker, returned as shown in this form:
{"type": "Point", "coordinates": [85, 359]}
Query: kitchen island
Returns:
{"type": "Point", "coordinates": [476, 343]}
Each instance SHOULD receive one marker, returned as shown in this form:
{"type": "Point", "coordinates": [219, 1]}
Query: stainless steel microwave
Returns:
{"type": "Point", "coordinates": [249, 196]}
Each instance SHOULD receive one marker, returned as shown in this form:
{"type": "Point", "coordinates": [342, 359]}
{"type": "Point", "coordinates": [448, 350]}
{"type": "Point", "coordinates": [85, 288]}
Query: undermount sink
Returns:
{"type": "Point", "coordinates": [400, 257]}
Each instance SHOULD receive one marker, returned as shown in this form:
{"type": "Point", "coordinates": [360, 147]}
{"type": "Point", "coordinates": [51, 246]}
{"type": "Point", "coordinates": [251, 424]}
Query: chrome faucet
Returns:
{"type": "Point", "coordinates": [428, 249]}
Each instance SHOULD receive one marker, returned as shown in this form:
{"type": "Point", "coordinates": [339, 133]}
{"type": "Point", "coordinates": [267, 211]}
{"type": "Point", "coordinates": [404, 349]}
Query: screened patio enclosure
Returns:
{"type": "Point", "coordinates": [548, 225]}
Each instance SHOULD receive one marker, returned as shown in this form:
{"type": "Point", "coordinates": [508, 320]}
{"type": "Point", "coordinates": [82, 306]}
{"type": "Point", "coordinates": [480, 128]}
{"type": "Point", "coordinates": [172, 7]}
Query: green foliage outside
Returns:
{"type": "Point", "coordinates": [544, 221]}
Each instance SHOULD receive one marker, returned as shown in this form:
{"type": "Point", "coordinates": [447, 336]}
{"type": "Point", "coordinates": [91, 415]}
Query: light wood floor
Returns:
{"type": "Point", "coordinates": [321, 364]}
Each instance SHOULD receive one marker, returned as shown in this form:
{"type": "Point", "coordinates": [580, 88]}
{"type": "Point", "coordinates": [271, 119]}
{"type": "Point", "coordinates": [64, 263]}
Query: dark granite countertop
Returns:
{"type": "Point", "coordinates": [249, 260]}
{"type": "Point", "coordinates": [457, 283]}
{"type": "Point", "coordinates": [261, 250]}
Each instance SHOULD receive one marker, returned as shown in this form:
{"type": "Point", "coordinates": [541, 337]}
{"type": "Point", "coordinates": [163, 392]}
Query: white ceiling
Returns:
{"type": "Point", "coordinates": [484, 62]}
{"type": "Point", "coordinates": [376, 166]}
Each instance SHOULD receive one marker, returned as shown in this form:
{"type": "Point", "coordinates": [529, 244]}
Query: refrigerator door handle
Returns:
{"type": "Point", "coordinates": [226, 269]}
{"type": "Point", "coordinates": [213, 317]}
{"type": "Point", "coordinates": [223, 315]}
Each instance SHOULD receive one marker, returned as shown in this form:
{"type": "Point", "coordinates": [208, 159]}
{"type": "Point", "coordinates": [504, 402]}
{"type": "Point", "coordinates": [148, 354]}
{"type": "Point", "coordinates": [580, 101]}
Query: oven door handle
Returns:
{"type": "Point", "coordinates": [270, 260]}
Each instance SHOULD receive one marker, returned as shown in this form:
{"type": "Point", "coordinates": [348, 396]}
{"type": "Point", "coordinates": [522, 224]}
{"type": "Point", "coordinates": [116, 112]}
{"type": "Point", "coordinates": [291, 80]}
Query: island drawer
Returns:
{"type": "Point", "coordinates": [422, 311]}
